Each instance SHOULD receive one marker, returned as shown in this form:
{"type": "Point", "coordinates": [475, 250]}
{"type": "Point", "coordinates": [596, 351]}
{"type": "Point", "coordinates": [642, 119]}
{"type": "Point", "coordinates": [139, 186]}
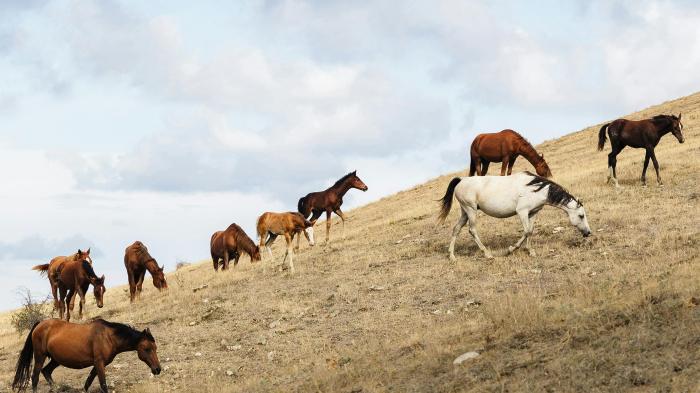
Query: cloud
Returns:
{"type": "Point", "coordinates": [36, 247]}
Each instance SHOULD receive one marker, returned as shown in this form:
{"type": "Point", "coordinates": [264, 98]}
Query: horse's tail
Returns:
{"type": "Point", "coordinates": [601, 136]}
{"type": "Point", "coordinates": [472, 167]}
{"type": "Point", "coordinates": [446, 200]}
{"type": "Point", "coordinates": [42, 269]}
{"type": "Point", "coordinates": [24, 362]}
{"type": "Point", "coordinates": [302, 207]}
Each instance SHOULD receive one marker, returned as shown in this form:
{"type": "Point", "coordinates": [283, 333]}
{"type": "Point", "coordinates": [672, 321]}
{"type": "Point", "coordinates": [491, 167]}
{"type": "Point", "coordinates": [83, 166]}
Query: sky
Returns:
{"type": "Point", "coordinates": [164, 121]}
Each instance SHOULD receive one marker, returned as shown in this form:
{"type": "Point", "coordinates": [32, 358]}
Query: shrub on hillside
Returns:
{"type": "Point", "coordinates": [31, 312]}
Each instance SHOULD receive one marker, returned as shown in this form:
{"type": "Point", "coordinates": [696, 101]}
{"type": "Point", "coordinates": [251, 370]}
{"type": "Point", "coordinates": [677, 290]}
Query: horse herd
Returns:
{"type": "Point", "coordinates": [523, 194]}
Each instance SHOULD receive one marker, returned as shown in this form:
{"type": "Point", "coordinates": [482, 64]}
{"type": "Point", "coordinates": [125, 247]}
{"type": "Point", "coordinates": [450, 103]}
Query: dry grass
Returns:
{"type": "Point", "coordinates": [385, 310]}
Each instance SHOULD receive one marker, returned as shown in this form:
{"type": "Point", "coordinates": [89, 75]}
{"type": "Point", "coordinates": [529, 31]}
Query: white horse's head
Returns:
{"type": "Point", "coordinates": [577, 217]}
{"type": "Point", "coordinates": [309, 233]}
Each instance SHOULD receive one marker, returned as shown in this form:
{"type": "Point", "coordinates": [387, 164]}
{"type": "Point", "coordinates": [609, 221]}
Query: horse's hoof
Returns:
{"type": "Point", "coordinates": [533, 254]}
{"type": "Point", "coordinates": [452, 258]}
{"type": "Point", "coordinates": [488, 256]}
{"type": "Point", "coordinates": [511, 249]}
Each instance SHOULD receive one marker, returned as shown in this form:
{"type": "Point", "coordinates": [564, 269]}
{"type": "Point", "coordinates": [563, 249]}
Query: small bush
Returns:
{"type": "Point", "coordinates": [31, 312]}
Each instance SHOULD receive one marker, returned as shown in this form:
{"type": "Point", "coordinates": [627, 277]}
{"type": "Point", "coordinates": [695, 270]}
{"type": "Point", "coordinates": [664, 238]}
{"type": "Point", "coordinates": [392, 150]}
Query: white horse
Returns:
{"type": "Point", "coordinates": [524, 194]}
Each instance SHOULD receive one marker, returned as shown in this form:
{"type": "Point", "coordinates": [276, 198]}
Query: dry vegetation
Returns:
{"type": "Point", "coordinates": [385, 310]}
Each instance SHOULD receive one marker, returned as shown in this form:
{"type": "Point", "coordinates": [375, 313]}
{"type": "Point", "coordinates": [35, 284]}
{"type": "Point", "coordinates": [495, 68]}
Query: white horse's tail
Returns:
{"type": "Point", "coordinates": [446, 200]}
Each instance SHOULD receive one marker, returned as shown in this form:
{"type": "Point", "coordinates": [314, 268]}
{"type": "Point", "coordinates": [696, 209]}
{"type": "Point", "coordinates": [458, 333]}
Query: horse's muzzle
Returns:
{"type": "Point", "coordinates": [586, 234]}
{"type": "Point", "coordinates": [155, 371]}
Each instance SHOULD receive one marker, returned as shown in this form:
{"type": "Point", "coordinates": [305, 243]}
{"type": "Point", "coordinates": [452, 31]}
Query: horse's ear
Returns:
{"type": "Point", "coordinates": [80, 252]}
{"type": "Point", "coordinates": [354, 172]}
{"type": "Point", "coordinates": [542, 156]}
{"type": "Point", "coordinates": [102, 279]}
{"type": "Point", "coordinates": [88, 251]}
{"type": "Point", "coordinates": [679, 115]}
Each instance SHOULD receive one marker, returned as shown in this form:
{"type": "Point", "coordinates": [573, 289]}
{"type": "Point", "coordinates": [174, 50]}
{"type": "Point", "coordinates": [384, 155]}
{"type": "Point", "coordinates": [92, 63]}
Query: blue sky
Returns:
{"type": "Point", "coordinates": [164, 121]}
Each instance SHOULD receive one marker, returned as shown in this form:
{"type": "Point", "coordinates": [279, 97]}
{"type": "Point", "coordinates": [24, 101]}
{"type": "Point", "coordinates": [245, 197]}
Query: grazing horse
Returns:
{"type": "Point", "coordinates": [137, 260]}
{"type": "Point", "coordinates": [52, 269]}
{"type": "Point", "coordinates": [504, 147]}
{"type": "Point", "coordinates": [524, 194]}
{"type": "Point", "coordinates": [78, 346]}
{"type": "Point", "coordinates": [330, 200]}
{"type": "Point", "coordinates": [74, 278]}
{"type": "Point", "coordinates": [228, 244]}
{"type": "Point", "coordinates": [270, 225]}
{"type": "Point", "coordinates": [641, 134]}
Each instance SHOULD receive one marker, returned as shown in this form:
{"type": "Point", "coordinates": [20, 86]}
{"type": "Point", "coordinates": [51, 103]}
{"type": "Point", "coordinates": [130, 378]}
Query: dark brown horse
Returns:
{"type": "Point", "coordinates": [330, 200]}
{"type": "Point", "coordinates": [270, 225]}
{"type": "Point", "coordinates": [74, 278]}
{"type": "Point", "coordinates": [504, 147]}
{"type": "Point", "coordinates": [641, 134]}
{"type": "Point", "coordinates": [52, 269]}
{"type": "Point", "coordinates": [137, 260]}
{"type": "Point", "coordinates": [228, 244]}
{"type": "Point", "coordinates": [78, 346]}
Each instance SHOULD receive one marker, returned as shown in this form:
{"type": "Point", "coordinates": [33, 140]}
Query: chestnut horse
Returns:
{"type": "Point", "coordinates": [330, 200]}
{"type": "Point", "coordinates": [74, 278]}
{"type": "Point", "coordinates": [270, 225]}
{"type": "Point", "coordinates": [642, 134]}
{"type": "Point", "coordinates": [228, 244]}
{"type": "Point", "coordinates": [504, 147]}
{"type": "Point", "coordinates": [137, 260]}
{"type": "Point", "coordinates": [52, 268]}
{"type": "Point", "coordinates": [78, 346]}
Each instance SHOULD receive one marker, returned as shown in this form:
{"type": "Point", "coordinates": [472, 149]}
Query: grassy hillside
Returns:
{"type": "Point", "coordinates": [385, 310]}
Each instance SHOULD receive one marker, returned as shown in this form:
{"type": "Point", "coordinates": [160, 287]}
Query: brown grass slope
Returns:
{"type": "Point", "coordinates": [385, 310]}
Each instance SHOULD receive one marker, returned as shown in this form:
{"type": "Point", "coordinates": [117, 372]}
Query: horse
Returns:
{"type": "Point", "coordinates": [137, 260]}
{"type": "Point", "coordinates": [52, 268]}
{"type": "Point", "coordinates": [78, 346]}
{"type": "Point", "coordinates": [228, 244]}
{"type": "Point", "coordinates": [270, 225]}
{"type": "Point", "coordinates": [524, 194]}
{"type": "Point", "coordinates": [330, 200]}
{"type": "Point", "coordinates": [640, 134]}
{"type": "Point", "coordinates": [504, 147]}
{"type": "Point", "coordinates": [74, 278]}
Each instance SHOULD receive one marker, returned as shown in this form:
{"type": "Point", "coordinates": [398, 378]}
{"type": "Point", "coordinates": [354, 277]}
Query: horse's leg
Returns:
{"type": "Point", "coordinates": [100, 366]}
{"type": "Point", "coordinates": [139, 283]}
{"type": "Point", "coordinates": [71, 303]}
{"type": "Point", "coordinates": [471, 217]}
{"type": "Point", "coordinates": [132, 285]}
{"type": "Point", "coordinates": [215, 262]}
{"type": "Point", "coordinates": [90, 378]}
{"type": "Point", "coordinates": [532, 228]}
{"type": "Point", "coordinates": [288, 239]}
{"type": "Point", "coordinates": [647, 156]}
{"type": "Point", "coordinates": [504, 166]}
{"type": "Point", "coordinates": [328, 225]}
{"type": "Point", "coordinates": [612, 164]}
{"type": "Point", "coordinates": [46, 371]}
{"type": "Point", "coordinates": [484, 167]}
{"type": "Point", "coordinates": [54, 290]}
{"type": "Point", "coordinates": [236, 258]}
{"type": "Point", "coordinates": [270, 240]}
{"type": "Point", "coordinates": [656, 167]}
{"type": "Point", "coordinates": [511, 162]}
{"type": "Point", "coordinates": [524, 215]}
{"type": "Point", "coordinates": [296, 248]}
{"type": "Point", "coordinates": [81, 302]}
{"type": "Point", "coordinates": [342, 219]}
{"type": "Point", "coordinates": [226, 259]}
{"type": "Point", "coordinates": [455, 231]}
{"type": "Point", "coordinates": [61, 303]}
{"type": "Point", "coordinates": [39, 358]}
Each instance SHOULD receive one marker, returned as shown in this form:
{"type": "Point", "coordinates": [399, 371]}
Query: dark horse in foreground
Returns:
{"type": "Point", "coordinates": [329, 201]}
{"type": "Point", "coordinates": [137, 260]}
{"type": "Point", "coordinates": [641, 134]}
{"type": "Point", "coordinates": [74, 278]}
{"type": "Point", "coordinates": [78, 346]}
{"type": "Point", "coordinates": [229, 244]}
{"type": "Point", "coordinates": [52, 269]}
{"type": "Point", "coordinates": [504, 147]}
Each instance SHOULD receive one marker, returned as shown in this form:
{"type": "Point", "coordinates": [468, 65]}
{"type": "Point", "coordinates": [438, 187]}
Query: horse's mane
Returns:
{"type": "Point", "coordinates": [126, 332]}
{"type": "Point", "coordinates": [142, 252]}
{"type": "Point", "coordinates": [242, 238]}
{"type": "Point", "coordinates": [526, 144]}
{"type": "Point", "coordinates": [664, 120]}
{"type": "Point", "coordinates": [343, 179]}
{"type": "Point", "coordinates": [88, 269]}
{"type": "Point", "coordinates": [556, 194]}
